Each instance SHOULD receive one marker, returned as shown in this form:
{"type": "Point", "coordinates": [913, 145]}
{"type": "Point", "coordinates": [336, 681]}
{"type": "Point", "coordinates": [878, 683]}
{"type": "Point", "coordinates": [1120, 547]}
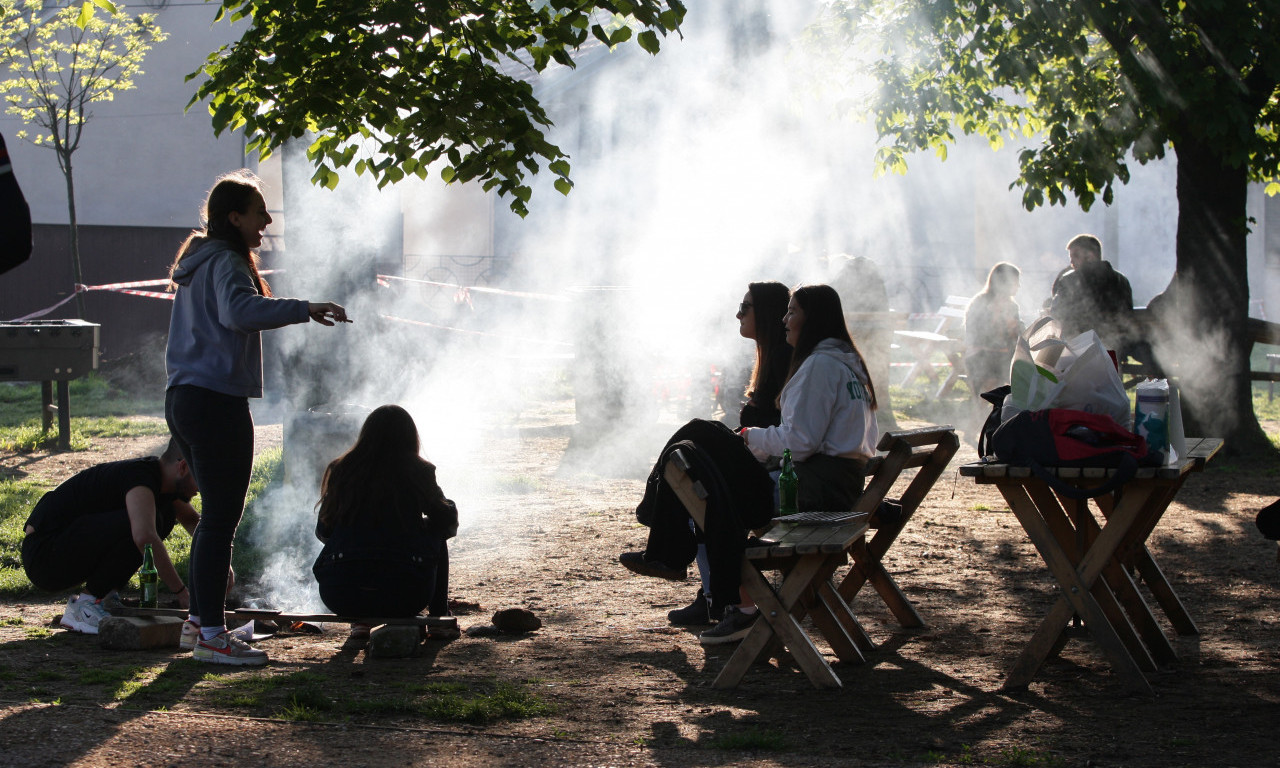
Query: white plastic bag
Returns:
{"type": "Point", "coordinates": [1048, 372]}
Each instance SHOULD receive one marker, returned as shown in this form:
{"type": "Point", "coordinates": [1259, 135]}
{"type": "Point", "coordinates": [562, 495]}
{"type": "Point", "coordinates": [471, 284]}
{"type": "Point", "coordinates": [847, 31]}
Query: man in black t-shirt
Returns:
{"type": "Point", "coordinates": [91, 530]}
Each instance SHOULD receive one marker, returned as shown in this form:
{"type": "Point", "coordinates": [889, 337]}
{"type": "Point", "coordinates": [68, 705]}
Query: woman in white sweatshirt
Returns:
{"type": "Point", "coordinates": [828, 421]}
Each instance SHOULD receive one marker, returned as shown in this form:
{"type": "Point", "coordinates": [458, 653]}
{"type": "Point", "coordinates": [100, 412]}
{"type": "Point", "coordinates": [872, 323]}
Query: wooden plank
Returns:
{"type": "Point", "coordinates": [318, 618]}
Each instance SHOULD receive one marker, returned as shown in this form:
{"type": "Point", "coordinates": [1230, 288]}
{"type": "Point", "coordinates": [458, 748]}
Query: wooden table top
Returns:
{"type": "Point", "coordinates": [1199, 451]}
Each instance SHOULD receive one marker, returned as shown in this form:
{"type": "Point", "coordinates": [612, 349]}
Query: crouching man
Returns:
{"type": "Point", "coordinates": [91, 531]}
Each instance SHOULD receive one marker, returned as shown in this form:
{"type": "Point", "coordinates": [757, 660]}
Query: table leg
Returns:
{"type": "Point", "coordinates": [47, 406]}
{"type": "Point", "coordinates": [1076, 585]}
{"type": "Point", "coordinates": [1164, 594]}
{"type": "Point", "coordinates": [64, 416]}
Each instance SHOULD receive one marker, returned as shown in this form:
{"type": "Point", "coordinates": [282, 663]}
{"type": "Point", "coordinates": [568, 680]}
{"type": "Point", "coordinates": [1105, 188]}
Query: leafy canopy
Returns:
{"type": "Point", "coordinates": [1095, 82]}
{"type": "Point", "coordinates": [390, 87]}
{"type": "Point", "coordinates": [58, 61]}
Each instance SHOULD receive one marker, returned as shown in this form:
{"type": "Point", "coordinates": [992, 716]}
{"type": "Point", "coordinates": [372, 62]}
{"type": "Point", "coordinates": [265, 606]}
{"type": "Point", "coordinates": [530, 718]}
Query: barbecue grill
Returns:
{"type": "Point", "coordinates": [47, 351]}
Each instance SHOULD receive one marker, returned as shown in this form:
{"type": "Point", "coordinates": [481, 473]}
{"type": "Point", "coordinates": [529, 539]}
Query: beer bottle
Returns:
{"type": "Point", "coordinates": [788, 486]}
{"type": "Point", "coordinates": [149, 579]}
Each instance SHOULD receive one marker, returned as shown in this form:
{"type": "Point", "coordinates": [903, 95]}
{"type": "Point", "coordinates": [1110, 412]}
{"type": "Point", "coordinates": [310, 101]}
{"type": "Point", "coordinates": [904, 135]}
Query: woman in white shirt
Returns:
{"type": "Point", "coordinates": [828, 421]}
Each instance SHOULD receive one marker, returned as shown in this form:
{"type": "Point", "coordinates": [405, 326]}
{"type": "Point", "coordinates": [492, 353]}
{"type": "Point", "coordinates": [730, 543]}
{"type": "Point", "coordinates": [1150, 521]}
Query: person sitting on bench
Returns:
{"type": "Point", "coordinates": [91, 530]}
{"type": "Point", "coordinates": [828, 422]}
{"type": "Point", "coordinates": [384, 522]}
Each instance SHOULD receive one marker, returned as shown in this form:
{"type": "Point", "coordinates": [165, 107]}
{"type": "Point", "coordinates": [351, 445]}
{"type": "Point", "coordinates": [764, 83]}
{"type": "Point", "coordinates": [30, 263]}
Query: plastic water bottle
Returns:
{"type": "Point", "coordinates": [149, 579]}
{"type": "Point", "coordinates": [788, 486]}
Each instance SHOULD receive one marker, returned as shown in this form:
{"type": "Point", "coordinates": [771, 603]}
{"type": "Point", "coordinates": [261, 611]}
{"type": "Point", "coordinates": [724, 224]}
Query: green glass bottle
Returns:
{"type": "Point", "coordinates": [149, 579]}
{"type": "Point", "coordinates": [788, 486]}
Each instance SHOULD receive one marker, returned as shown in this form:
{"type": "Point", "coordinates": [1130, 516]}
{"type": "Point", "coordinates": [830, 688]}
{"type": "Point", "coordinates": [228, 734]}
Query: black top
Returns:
{"type": "Point", "coordinates": [102, 489]}
{"type": "Point", "coordinates": [1097, 297]}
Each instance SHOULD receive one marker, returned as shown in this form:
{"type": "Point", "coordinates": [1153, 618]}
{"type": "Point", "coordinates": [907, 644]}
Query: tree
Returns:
{"type": "Point", "coordinates": [59, 61]}
{"type": "Point", "coordinates": [393, 86]}
{"type": "Point", "coordinates": [1099, 84]}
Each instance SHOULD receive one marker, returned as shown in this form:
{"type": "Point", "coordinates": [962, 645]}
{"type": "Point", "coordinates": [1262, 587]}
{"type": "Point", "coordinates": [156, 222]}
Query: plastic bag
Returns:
{"type": "Point", "coordinates": [1079, 374]}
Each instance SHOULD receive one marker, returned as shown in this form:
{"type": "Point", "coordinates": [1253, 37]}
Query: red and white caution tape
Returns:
{"type": "Point", "coordinates": [464, 291]}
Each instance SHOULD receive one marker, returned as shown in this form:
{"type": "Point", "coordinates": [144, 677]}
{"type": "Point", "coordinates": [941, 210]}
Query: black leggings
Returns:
{"type": "Point", "coordinates": [96, 550]}
{"type": "Point", "coordinates": [215, 433]}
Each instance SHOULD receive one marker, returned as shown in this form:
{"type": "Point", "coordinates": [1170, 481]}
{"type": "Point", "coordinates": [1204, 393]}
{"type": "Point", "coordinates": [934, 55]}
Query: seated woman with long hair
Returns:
{"type": "Point", "coordinates": [827, 421]}
{"type": "Point", "coordinates": [384, 522]}
{"type": "Point", "coordinates": [760, 319]}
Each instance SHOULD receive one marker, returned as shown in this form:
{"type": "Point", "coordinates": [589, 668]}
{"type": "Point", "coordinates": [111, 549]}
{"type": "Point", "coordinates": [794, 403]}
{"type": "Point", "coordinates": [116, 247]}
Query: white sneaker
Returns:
{"type": "Point", "coordinates": [190, 634]}
{"type": "Point", "coordinates": [226, 648]}
{"type": "Point", "coordinates": [83, 615]}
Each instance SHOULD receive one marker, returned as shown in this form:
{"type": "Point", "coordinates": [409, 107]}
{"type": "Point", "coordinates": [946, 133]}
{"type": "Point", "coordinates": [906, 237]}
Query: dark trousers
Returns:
{"type": "Point", "coordinates": [215, 433]}
{"type": "Point", "coordinates": [389, 589]}
{"type": "Point", "coordinates": [826, 483]}
{"type": "Point", "coordinates": [95, 550]}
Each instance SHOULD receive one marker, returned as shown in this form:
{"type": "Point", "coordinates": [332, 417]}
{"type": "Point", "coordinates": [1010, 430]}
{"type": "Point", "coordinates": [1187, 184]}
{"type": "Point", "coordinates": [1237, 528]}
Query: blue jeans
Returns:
{"type": "Point", "coordinates": [215, 434]}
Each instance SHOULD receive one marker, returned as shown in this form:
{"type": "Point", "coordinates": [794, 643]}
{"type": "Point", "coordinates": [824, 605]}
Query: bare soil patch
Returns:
{"type": "Point", "coordinates": [625, 688]}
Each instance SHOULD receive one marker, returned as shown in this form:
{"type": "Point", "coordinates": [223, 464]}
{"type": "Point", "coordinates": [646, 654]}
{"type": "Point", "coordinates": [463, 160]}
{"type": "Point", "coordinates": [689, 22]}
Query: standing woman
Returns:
{"type": "Point", "coordinates": [214, 364]}
{"type": "Point", "coordinates": [760, 319]}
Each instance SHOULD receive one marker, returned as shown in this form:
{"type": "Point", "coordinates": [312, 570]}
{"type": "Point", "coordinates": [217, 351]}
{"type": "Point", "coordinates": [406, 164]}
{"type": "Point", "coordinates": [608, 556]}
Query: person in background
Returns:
{"type": "Point", "coordinates": [92, 528]}
{"type": "Point", "coordinates": [991, 328]}
{"type": "Point", "coordinates": [1092, 295]}
{"type": "Point", "coordinates": [15, 217]}
{"type": "Point", "coordinates": [865, 297]}
{"type": "Point", "coordinates": [384, 522]}
{"type": "Point", "coordinates": [214, 364]}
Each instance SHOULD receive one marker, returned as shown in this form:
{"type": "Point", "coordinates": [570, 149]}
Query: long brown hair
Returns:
{"type": "Point", "coordinates": [769, 304]}
{"type": "Point", "coordinates": [824, 319]}
{"type": "Point", "coordinates": [385, 457]}
{"type": "Point", "coordinates": [232, 192]}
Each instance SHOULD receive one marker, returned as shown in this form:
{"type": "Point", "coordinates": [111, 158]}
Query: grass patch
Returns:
{"type": "Point", "coordinates": [753, 741]}
{"type": "Point", "coordinates": [12, 621]}
{"type": "Point", "coordinates": [507, 701]}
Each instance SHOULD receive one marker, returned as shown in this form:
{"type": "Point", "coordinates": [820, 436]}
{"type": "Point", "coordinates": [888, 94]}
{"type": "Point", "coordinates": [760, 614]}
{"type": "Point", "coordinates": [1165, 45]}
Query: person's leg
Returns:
{"type": "Point", "coordinates": [94, 550]}
{"type": "Point", "coordinates": [215, 432]}
{"type": "Point", "coordinates": [439, 605]}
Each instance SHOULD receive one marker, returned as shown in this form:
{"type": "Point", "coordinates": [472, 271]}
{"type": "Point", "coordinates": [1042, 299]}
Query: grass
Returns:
{"type": "Point", "coordinates": [754, 741]}
{"type": "Point", "coordinates": [98, 408]}
{"type": "Point", "coordinates": [307, 696]}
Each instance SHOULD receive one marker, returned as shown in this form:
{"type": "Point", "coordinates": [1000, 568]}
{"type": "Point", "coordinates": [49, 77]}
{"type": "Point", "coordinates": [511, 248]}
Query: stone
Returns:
{"type": "Point", "coordinates": [516, 620]}
{"type": "Point", "coordinates": [134, 633]}
{"type": "Point", "coordinates": [393, 641]}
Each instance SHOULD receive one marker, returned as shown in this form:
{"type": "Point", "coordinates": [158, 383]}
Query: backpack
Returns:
{"type": "Point", "coordinates": [1060, 437]}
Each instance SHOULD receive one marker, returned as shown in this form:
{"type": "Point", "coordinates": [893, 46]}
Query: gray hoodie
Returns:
{"type": "Point", "coordinates": [214, 339]}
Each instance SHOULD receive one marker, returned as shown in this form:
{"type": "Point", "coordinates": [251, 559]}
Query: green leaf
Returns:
{"type": "Point", "coordinates": [564, 186]}
{"type": "Point", "coordinates": [648, 40]}
{"type": "Point", "coordinates": [86, 15]}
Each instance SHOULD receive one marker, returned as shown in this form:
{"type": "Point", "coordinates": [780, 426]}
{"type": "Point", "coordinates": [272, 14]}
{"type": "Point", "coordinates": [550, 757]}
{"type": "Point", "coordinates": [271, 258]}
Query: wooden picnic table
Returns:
{"type": "Point", "coordinates": [1095, 564]}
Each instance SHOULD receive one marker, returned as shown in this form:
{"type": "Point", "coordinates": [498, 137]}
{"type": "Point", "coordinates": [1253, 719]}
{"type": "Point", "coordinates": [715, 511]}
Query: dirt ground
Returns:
{"type": "Point", "coordinates": [627, 689]}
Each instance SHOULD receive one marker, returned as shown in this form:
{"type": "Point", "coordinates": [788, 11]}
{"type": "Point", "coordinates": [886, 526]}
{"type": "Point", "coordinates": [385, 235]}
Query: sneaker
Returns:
{"type": "Point", "coordinates": [113, 604]}
{"type": "Point", "coordinates": [190, 634]}
{"type": "Point", "coordinates": [641, 564]}
{"type": "Point", "coordinates": [359, 637]}
{"type": "Point", "coordinates": [697, 612]}
{"type": "Point", "coordinates": [733, 627]}
{"type": "Point", "coordinates": [226, 648]}
{"type": "Point", "coordinates": [83, 615]}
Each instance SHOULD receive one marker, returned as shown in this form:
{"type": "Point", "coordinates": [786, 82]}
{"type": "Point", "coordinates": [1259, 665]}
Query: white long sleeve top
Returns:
{"type": "Point", "coordinates": [825, 409]}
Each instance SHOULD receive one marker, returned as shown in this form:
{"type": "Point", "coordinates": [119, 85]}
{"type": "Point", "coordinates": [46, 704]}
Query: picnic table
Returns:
{"type": "Point", "coordinates": [1096, 562]}
{"type": "Point", "coordinates": [944, 339]}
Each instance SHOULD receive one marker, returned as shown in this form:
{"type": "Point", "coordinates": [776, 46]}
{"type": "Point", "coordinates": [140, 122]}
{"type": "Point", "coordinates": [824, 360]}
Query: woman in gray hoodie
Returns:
{"type": "Point", "coordinates": [214, 364]}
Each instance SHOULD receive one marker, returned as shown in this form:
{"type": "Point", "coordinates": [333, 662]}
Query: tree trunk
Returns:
{"type": "Point", "coordinates": [75, 234]}
{"type": "Point", "coordinates": [1203, 336]}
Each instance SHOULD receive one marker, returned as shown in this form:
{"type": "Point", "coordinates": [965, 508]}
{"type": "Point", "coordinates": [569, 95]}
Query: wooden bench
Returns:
{"type": "Point", "coordinates": [432, 623]}
{"type": "Point", "coordinates": [809, 553]}
{"type": "Point", "coordinates": [944, 339]}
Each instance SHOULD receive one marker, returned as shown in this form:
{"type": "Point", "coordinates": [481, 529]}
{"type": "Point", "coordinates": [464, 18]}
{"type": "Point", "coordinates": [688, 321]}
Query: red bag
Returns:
{"type": "Point", "coordinates": [1060, 437]}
